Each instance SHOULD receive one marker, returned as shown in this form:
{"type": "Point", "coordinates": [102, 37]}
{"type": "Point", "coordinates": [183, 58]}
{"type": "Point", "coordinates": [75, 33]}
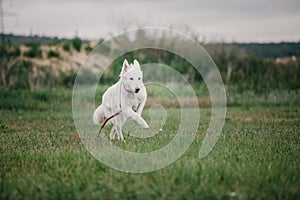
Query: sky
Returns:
{"type": "Point", "coordinates": [211, 20]}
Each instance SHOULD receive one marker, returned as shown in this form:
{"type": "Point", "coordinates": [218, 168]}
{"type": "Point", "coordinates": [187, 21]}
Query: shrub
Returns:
{"type": "Point", "coordinates": [77, 42]}
{"type": "Point", "coordinates": [88, 49]}
{"type": "Point", "coordinates": [17, 51]}
{"type": "Point", "coordinates": [34, 53]}
{"type": "Point", "coordinates": [66, 47]}
{"type": "Point", "coordinates": [9, 51]}
{"type": "Point", "coordinates": [68, 79]}
{"type": "Point", "coordinates": [33, 44]}
{"type": "Point", "coordinates": [53, 54]}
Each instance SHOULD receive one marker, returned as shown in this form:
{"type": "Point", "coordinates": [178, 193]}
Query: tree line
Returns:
{"type": "Point", "coordinates": [250, 66]}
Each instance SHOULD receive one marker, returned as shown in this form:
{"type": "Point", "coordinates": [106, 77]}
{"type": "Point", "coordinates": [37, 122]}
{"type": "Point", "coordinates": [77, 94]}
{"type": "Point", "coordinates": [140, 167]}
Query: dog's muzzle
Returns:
{"type": "Point", "coordinates": [137, 90]}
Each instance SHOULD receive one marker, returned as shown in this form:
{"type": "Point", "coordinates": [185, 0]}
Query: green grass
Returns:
{"type": "Point", "coordinates": [256, 157]}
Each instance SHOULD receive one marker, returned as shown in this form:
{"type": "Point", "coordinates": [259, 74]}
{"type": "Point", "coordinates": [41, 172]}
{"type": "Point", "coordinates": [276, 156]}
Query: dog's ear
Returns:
{"type": "Point", "coordinates": [125, 67]}
{"type": "Point", "coordinates": [136, 64]}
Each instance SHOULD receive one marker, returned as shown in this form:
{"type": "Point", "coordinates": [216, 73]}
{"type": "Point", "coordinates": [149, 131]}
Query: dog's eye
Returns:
{"type": "Point", "coordinates": [131, 79]}
{"type": "Point", "coordinates": [139, 78]}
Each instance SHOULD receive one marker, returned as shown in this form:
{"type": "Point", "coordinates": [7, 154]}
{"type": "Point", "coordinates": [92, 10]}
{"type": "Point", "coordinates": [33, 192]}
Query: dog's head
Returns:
{"type": "Point", "coordinates": [132, 76]}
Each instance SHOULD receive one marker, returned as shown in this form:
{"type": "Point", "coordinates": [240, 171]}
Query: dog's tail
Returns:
{"type": "Point", "coordinates": [98, 116]}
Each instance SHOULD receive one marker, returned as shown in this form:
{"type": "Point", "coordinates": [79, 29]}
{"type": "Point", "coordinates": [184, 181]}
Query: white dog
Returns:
{"type": "Point", "coordinates": [125, 99]}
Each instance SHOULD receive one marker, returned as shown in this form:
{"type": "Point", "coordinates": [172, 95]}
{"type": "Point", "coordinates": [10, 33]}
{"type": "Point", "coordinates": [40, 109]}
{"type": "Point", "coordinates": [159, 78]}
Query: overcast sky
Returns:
{"type": "Point", "coordinates": [229, 20]}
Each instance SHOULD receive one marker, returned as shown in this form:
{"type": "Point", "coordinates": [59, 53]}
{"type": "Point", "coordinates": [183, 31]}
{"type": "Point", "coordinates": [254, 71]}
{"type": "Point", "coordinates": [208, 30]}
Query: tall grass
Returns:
{"type": "Point", "coordinates": [47, 99]}
{"type": "Point", "coordinates": [61, 98]}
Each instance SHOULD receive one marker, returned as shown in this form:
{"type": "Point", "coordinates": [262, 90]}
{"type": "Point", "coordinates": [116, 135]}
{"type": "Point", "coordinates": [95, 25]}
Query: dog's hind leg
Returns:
{"type": "Point", "coordinates": [119, 132]}
{"type": "Point", "coordinates": [99, 116]}
{"type": "Point", "coordinates": [112, 133]}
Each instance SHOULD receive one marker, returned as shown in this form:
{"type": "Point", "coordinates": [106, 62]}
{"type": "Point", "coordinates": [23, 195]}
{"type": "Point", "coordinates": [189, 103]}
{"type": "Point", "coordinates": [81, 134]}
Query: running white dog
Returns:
{"type": "Point", "coordinates": [125, 99]}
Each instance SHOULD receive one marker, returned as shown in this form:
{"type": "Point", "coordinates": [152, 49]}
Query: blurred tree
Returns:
{"type": "Point", "coordinates": [77, 42]}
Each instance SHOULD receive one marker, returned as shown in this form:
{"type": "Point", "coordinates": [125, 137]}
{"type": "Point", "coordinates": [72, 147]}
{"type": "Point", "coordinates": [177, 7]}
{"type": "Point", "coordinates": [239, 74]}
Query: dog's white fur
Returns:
{"type": "Point", "coordinates": [128, 95]}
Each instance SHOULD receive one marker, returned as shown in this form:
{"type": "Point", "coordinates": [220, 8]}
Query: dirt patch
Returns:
{"type": "Point", "coordinates": [183, 102]}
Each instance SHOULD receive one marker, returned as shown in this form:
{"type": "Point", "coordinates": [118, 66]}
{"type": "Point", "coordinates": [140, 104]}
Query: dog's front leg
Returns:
{"type": "Point", "coordinates": [141, 107]}
{"type": "Point", "coordinates": [136, 117]}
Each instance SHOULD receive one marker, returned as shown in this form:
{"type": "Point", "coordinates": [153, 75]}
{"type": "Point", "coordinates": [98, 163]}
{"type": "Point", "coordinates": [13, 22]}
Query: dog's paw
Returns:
{"type": "Point", "coordinates": [145, 126]}
{"type": "Point", "coordinates": [140, 121]}
{"type": "Point", "coordinates": [111, 138]}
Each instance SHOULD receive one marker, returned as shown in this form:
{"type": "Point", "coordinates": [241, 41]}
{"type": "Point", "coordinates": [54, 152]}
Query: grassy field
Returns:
{"type": "Point", "coordinates": [256, 157]}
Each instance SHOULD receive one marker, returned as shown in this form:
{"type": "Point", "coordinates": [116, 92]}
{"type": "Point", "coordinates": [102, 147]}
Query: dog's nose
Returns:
{"type": "Point", "coordinates": [137, 90]}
